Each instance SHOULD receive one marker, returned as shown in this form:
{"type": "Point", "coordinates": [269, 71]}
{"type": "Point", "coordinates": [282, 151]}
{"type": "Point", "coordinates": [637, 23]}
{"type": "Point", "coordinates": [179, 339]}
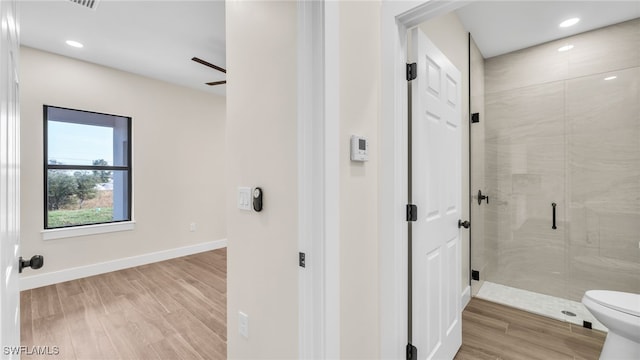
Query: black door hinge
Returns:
{"type": "Point", "coordinates": [475, 275]}
{"type": "Point", "coordinates": [412, 71]}
{"type": "Point", "coordinates": [412, 212]}
{"type": "Point", "coordinates": [475, 118]}
{"type": "Point", "coordinates": [412, 352]}
{"type": "Point", "coordinates": [301, 259]}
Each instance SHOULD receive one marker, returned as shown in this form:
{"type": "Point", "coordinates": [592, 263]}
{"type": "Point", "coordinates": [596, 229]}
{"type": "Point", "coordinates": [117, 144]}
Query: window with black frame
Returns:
{"type": "Point", "coordinates": [87, 168]}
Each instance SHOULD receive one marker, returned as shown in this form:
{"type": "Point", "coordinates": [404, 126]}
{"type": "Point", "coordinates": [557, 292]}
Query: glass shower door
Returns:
{"type": "Point", "coordinates": [518, 163]}
{"type": "Point", "coordinates": [603, 178]}
{"type": "Point", "coordinates": [525, 177]}
{"type": "Point", "coordinates": [478, 255]}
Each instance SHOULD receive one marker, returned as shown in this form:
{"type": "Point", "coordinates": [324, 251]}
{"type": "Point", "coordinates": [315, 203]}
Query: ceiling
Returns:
{"type": "Point", "coordinates": [500, 27]}
{"type": "Point", "coordinates": [158, 38]}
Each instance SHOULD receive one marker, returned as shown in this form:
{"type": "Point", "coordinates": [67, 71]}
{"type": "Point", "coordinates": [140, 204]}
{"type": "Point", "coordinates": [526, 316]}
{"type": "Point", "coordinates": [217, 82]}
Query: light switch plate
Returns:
{"type": "Point", "coordinates": [244, 198]}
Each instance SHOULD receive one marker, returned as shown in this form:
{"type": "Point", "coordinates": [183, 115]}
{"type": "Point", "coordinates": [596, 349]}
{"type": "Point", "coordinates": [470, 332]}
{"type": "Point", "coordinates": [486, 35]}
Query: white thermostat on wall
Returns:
{"type": "Point", "coordinates": [359, 148]}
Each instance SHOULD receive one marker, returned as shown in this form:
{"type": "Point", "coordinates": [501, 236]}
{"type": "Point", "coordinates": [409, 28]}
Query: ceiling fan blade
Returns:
{"type": "Point", "coordinates": [216, 82]}
{"type": "Point", "coordinates": [205, 63]}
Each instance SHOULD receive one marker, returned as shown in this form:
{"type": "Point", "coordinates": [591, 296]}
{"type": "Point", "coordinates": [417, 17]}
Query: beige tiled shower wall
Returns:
{"type": "Point", "coordinates": [557, 132]}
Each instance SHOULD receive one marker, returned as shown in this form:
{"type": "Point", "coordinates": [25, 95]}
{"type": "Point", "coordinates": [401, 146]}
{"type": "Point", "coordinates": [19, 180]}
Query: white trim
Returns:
{"type": "Point", "coordinates": [38, 280]}
{"type": "Point", "coordinates": [305, 206]}
{"type": "Point", "coordinates": [318, 179]}
{"type": "Point", "coordinates": [396, 18]}
{"type": "Point", "coordinates": [311, 180]}
{"type": "Point", "coordinates": [466, 297]}
{"type": "Point", "coordinates": [417, 12]}
{"type": "Point", "coordinates": [331, 151]}
{"type": "Point", "coordinates": [51, 234]}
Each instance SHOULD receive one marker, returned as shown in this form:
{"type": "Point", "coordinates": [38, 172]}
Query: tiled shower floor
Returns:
{"type": "Point", "coordinates": [540, 304]}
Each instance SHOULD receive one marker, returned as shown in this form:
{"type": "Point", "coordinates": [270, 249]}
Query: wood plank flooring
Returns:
{"type": "Point", "coordinates": [174, 309]}
{"type": "Point", "coordinates": [494, 331]}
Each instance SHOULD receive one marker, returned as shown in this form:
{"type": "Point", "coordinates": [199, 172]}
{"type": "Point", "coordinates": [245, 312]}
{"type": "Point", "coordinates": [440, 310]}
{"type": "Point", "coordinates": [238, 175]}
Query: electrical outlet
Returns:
{"type": "Point", "coordinates": [192, 227]}
{"type": "Point", "coordinates": [243, 324]}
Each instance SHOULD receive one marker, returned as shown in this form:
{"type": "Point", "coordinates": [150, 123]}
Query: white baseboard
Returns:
{"type": "Point", "coordinates": [466, 297]}
{"type": "Point", "coordinates": [55, 277]}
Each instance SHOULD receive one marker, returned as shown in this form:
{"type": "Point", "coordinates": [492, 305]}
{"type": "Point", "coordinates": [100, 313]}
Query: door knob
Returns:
{"type": "Point", "coordinates": [465, 224]}
{"type": "Point", "coordinates": [35, 263]}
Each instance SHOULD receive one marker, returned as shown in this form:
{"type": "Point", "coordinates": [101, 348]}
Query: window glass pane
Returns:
{"type": "Point", "coordinates": [86, 197]}
{"type": "Point", "coordinates": [77, 196]}
{"type": "Point", "coordinates": [79, 144]}
{"type": "Point", "coordinates": [83, 138]}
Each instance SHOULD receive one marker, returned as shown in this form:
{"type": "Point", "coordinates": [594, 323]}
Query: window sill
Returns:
{"type": "Point", "coordinates": [53, 234]}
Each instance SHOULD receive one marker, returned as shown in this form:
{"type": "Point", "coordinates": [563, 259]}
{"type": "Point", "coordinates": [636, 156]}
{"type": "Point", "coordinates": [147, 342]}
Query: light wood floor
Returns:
{"type": "Point", "coordinates": [174, 309]}
{"type": "Point", "coordinates": [494, 331]}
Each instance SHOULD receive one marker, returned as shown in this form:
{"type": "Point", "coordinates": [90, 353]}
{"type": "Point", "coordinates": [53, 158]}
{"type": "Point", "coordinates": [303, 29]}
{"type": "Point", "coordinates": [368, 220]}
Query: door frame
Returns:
{"type": "Point", "coordinates": [318, 179]}
{"type": "Point", "coordinates": [396, 18]}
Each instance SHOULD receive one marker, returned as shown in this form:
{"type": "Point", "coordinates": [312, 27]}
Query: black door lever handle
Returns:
{"type": "Point", "coordinates": [35, 263]}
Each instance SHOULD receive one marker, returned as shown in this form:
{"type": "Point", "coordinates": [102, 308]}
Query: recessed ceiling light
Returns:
{"type": "Point", "coordinates": [569, 22]}
{"type": "Point", "coordinates": [74, 44]}
{"type": "Point", "coordinates": [565, 48]}
{"type": "Point", "coordinates": [610, 77]}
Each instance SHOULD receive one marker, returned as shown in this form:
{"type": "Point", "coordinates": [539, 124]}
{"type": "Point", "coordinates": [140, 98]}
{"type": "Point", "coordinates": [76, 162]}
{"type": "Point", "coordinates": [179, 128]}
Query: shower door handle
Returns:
{"type": "Point", "coordinates": [553, 214]}
{"type": "Point", "coordinates": [482, 197]}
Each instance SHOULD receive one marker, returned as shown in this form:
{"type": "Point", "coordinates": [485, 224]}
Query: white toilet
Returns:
{"type": "Point", "coordinates": [620, 313]}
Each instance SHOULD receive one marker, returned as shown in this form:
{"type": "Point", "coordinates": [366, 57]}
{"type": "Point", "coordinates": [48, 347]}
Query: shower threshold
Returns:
{"type": "Point", "coordinates": [545, 305]}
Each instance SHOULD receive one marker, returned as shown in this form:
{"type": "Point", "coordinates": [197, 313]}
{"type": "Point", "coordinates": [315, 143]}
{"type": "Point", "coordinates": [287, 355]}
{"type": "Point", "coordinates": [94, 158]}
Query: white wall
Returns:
{"type": "Point", "coordinates": [449, 35]}
{"type": "Point", "coordinates": [359, 113]}
{"type": "Point", "coordinates": [261, 143]}
{"type": "Point", "coordinates": [261, 151]}
{"type": "Point", "coordinates": [178, 159]}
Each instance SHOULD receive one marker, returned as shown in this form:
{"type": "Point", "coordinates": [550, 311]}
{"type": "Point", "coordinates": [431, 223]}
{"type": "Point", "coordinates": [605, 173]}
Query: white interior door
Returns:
{"type": "Point", "coordinates": [9, 183]}
{"type": "Point", "coordinates": [435, 186]}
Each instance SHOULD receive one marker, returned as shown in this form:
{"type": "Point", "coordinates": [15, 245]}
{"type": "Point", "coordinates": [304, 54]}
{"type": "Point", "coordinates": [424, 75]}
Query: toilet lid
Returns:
{"type": "Point", "coordinates": [621, 301]}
